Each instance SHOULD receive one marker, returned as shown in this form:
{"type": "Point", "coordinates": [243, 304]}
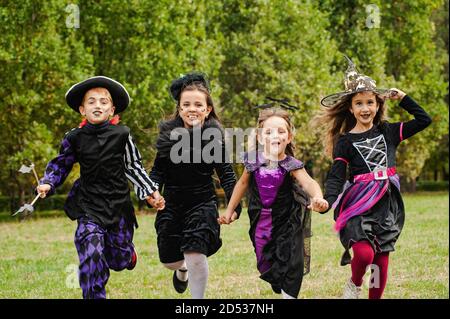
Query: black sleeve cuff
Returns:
{"type": "Point", "coordinates": [407, 101]}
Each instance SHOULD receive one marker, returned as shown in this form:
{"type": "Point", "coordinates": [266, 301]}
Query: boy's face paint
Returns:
{"type": "Point", "coordinates": [274, 136]}
{"type": "Point", "coordinates": [193, 108]}
{"type": "Point", "coordinates": [364, 108]}
{"type": "Point", "coordinates": [97, 106]}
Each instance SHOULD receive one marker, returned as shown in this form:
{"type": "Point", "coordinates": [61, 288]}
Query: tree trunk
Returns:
{"type": "Point", "coordinates": [408, 185]}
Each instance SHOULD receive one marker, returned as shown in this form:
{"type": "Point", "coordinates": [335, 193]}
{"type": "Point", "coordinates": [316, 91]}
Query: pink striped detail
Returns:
{"type": "Point", "coordinates": [401, 131]}
{"type": "Point", "coordinates": [341, 159]}
{"type": "Point", "coordinates": [359, 207]}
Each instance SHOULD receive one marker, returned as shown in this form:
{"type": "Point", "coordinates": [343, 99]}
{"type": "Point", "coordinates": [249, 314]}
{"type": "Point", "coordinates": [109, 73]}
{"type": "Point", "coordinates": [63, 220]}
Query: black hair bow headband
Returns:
{"type": "Point", "coordinates": [283, 103]}
{"type": "Point", "coordinates": [179, 84]}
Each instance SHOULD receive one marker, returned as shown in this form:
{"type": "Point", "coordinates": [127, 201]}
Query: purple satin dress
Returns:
{"type": "Point", "coordinates": [269, 181]}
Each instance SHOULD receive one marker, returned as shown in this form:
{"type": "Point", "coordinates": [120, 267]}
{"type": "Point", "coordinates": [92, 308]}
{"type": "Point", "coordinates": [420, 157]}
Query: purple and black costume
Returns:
{"type": "Point", "coordinates": [369, 206]}
{"type": "Point", "coordinates": [100, 199]}
{"type": "Point", "coordinates": [189, 219]}
{"type": "Point", "coordinates": [279, 222]}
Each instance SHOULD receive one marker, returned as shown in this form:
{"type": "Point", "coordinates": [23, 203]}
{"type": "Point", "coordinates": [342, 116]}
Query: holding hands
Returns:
{"type": "Point", "coordinates": [229, 217]}
{"type": "Point", "coordinates": [318, 204]}
{"type": "Point", "coordinates": [156, 201]}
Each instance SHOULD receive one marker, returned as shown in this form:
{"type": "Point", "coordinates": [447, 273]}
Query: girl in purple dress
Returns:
{"type": "Point", "coordinates": [278, 214]}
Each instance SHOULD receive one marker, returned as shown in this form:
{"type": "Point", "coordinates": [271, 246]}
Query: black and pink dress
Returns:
{"type": "Point", "coordinates": [368, 205]}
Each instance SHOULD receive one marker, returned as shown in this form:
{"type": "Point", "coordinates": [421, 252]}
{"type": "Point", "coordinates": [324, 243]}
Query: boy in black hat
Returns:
{"type": "Point", "coordinates": [100, 199]}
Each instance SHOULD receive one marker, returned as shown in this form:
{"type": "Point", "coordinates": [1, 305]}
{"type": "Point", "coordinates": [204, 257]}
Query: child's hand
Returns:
{"type": "Point", "coordinates": [318, 204]}
{"type": "Point", "coordinates": [228, 218]}
{"type": "Point", "coordinates": [396, 94]}
{"type": "Point", "coordinates": [156, 201]}
{"type": "Point", "coordinates": [43, 190]}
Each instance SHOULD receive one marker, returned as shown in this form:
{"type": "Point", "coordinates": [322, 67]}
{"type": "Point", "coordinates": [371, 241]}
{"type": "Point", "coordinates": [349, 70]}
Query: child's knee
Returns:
{"type": "Point", "coordinates": [363, 252]}
{"type": "Point", "coordinates": [175, 265]}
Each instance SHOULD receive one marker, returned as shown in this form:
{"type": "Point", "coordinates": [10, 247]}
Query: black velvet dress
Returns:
{"type": "Point", "coordinates": [189, 220]}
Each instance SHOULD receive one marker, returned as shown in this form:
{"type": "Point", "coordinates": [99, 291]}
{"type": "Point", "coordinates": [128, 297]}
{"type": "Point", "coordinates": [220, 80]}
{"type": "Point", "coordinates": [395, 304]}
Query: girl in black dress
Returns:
{"type": "Point", "coordinates": [368, 207]}
{"type": "Point", "coordinates": [187, 228]}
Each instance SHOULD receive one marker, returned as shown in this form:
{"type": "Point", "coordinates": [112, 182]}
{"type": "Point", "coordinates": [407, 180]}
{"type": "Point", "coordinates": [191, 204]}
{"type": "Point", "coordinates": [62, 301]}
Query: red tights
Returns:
{"type": "Point", "coordinates": [363, 257]}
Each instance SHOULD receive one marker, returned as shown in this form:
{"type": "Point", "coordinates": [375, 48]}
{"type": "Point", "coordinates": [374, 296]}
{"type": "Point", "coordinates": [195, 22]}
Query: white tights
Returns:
{"type": "Point", "coordinates": [197, 266]}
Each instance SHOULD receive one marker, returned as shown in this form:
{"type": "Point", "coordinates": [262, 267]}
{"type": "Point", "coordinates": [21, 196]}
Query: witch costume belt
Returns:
{"type": "Point", "coordinates": [377, 174]}
{"type": "Point", "coordinates": [365, 191]}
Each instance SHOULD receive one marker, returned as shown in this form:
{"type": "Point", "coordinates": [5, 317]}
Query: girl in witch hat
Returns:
{"type": "Point", "coordinates": [368, 207]}
{"type": "Point", "coordinates": [100, 199]}
{"type": "Point", "coordinates": [187, 228]}
{"type": "Point", "coordinates": [280, 194]}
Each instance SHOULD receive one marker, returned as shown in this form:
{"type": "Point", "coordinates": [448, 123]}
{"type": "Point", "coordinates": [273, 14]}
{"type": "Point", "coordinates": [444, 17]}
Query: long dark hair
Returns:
{"type": "Point", "coordinates": [209, 101]}
{"type": "Point", "coordinates": [337, 120]}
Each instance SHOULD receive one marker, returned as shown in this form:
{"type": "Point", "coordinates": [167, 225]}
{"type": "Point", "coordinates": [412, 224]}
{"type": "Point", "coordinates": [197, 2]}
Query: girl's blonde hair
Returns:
{"type": "Point", "coordinates": [337, 120]}
{"type": "Point", "coordinates": [268, 113]}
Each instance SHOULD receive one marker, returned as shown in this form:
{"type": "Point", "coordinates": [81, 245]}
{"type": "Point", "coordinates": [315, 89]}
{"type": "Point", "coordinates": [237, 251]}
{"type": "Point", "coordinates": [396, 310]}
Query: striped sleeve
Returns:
{"type": "Point", "coordinates": [143, 185]}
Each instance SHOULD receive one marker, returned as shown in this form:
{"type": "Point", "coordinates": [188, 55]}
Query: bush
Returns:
{"type": "Point", "coordinates": [432, 186]}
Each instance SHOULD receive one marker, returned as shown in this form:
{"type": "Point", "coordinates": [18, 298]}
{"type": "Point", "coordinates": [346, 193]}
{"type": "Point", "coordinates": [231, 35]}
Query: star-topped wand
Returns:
{"type": "Point", "coordinates": [27, 207]}
{"type": "Point", "coordinates": [24, 169]}
{"type": "Point", "coordinates": [27, 169]}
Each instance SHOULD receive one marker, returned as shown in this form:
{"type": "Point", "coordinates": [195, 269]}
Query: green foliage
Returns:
{"type": "Point", "coordinates": [38, 59]}
{"type": "Point", "coordinates": [418, 69]}
{"type": "Point", "coordinates": [432, 186]}
{"type": "Point", "coordinates": [249, 49]}
{"type": "Point", "coordinates": [277, 49]}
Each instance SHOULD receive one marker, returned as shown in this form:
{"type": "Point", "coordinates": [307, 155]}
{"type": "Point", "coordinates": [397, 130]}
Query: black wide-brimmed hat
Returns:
{"type": "Point", "coordinates": [354, 82]}
{"type": "Point", "coordinates": [120, 96]}
{"type": "Point", "coordinates": [177, 86]}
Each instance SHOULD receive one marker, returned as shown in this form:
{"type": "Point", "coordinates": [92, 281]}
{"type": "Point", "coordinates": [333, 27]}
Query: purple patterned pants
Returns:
{"type": "Point", "coordinates": [99, 250]}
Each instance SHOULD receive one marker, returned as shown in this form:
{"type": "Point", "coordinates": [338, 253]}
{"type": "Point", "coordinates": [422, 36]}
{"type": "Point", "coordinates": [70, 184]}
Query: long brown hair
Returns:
{"type": "Point", "coordinates": [268, 113]}
{"type": "Point", "coordinates": [209, 101]}
{"type": "Point", "coordinates": [337, 120]}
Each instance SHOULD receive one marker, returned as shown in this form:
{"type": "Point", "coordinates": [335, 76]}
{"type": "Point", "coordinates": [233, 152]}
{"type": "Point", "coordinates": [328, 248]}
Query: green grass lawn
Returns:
{"type": "Point", "coordinates": [39, 260]}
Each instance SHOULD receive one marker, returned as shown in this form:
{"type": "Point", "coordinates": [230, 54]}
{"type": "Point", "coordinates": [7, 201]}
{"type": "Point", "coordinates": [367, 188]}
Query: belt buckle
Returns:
{"type": "Point", "coordinates": [380, 173]}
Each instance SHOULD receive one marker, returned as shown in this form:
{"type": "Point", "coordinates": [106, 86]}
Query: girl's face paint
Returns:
{"type": "Point", "coordinates": [97, 106]}
{"type": "Point", "coordinates": [193, 108]}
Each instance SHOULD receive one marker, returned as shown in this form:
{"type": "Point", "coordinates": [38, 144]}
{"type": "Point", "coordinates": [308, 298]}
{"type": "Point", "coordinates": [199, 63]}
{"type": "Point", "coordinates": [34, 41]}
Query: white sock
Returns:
{"type": "Point", "coordinates": [286, 296]}
{"type": "Point", "coordinates": [197, 265]}
{"type": "Point", "coordinates": [182, 274]}
{"type": "Point", "coordinates": [178, 265]}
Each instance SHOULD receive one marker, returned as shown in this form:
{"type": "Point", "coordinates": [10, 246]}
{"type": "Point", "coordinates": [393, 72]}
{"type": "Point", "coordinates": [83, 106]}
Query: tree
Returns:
{"type": "Point", "coordinates": [417, 67]}
{"type": "Point", "coordinates": [277, 49]}
{"type": "Point", "coordinates": [38, 58]}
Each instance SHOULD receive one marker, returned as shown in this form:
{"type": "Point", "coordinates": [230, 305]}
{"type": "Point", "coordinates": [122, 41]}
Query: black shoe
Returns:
{"type": "Point", "coordinates": [180, 286]}
{"type": "Point", "coordinates": [276, 289]}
